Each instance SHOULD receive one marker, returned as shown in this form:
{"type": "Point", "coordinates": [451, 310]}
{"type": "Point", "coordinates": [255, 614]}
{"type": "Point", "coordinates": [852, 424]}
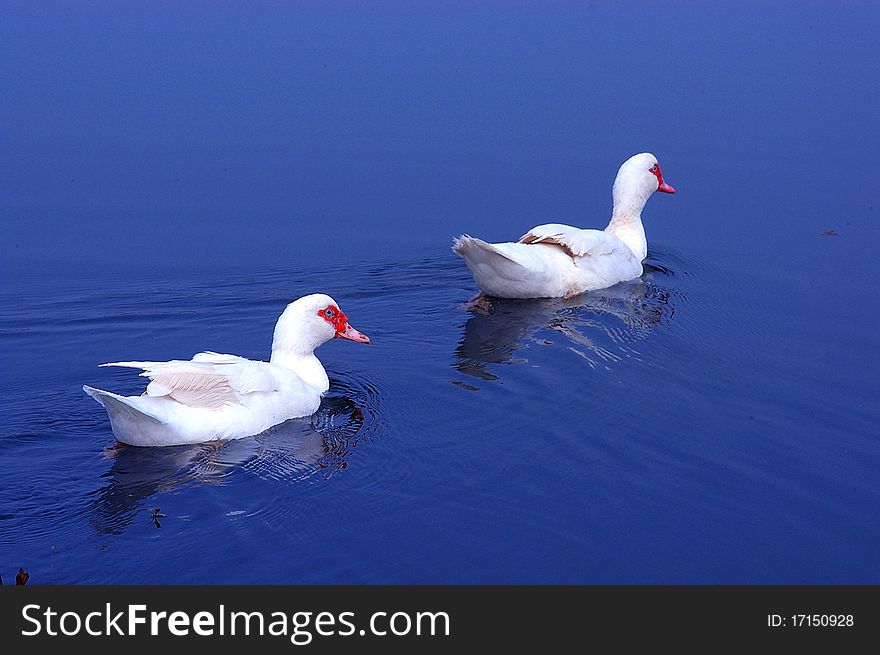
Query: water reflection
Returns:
{"type": "Point", "coordinates": [294, 450]}
{"type": "Point", "coordinates": [601, 326]}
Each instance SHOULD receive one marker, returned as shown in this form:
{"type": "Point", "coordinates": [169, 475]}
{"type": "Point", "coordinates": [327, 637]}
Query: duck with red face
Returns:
{"type": "Point", "coordinates": [661, 185]}
{"type": "Point", "coordinates": [334, 316]}
{"type": "Point", "coordinates": [217, 396]}
{"type": "Point", "coordinates": [556, 260]}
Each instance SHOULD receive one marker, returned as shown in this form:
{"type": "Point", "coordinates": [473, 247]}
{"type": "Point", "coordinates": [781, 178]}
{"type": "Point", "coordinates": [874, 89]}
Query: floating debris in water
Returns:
{"type": "Point", "coordinates": [828, 233]}
{"type": "Point", "coordinates": [157, 514]}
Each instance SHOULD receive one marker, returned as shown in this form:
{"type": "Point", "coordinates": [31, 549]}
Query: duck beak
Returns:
{"type": "Point", "coordinates": [666, 188]}
{"type": "Point", "coordinates": [352, 335]}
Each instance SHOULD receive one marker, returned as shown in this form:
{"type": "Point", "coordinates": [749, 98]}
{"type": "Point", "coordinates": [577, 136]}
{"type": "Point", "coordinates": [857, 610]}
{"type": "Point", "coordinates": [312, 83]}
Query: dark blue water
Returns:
{"type": "Point", "coordinates": [172, 176]}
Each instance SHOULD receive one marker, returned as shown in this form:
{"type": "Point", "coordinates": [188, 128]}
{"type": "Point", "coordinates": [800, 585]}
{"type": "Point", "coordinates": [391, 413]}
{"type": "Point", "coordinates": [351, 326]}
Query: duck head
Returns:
{"type": "Point", "coordinates": [309, 322]}
{"type": "Point", "coordinates": [638, 177]}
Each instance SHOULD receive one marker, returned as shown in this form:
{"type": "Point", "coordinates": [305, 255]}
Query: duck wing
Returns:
{"type": "Point", "coordinates": [209, 380]}
{"type": "Point", "coordinates": [574, 241]}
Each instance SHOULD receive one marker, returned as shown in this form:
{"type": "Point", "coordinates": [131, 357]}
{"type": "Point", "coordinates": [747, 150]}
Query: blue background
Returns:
{"type": "Point", "coordinates": [172, 173]}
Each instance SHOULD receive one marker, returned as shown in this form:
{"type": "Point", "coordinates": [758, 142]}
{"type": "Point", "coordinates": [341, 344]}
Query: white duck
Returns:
{"type": "Point", "coordinates": [216, 396]}
{"type": "Point", "coordinates": [553, 260]}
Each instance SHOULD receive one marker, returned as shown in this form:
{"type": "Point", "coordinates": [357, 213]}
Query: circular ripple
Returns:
{"type": "Point", "coordinates": [602, 327]}
{"type": "Point", "coordinates": [294, 451]}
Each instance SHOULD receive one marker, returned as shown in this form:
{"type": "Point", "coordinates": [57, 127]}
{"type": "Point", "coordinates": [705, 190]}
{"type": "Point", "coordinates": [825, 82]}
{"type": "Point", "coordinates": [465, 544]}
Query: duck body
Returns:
{"type": "Point", "coordinates": [555, 260]}
{"type": "Point", "coordinates": [219, 396]}
{"type": "Point", "coordinates": [234, 398]}
{"type": "Point", "coordinates": [536, 269]}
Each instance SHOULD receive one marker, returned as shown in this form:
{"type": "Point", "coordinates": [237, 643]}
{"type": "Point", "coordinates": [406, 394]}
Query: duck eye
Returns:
{"type": "Point", "coordinates": [329, 313]}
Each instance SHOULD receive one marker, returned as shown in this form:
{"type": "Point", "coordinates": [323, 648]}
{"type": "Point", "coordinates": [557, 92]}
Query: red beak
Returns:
{"type": "Point", "coordinates": [666, 188]}
{"type": "Point", "coordinates": [351, 334]}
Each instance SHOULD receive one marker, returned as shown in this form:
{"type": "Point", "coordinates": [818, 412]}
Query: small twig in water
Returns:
{"type": "Point", "coordinates": [157, 514]}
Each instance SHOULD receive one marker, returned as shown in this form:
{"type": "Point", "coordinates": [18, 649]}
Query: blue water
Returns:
{"type": "Point", "coordinates": [172, 176]}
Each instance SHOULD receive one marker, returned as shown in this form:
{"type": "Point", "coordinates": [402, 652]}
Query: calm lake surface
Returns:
{"type": "Point", "coordinates": [172, 177]}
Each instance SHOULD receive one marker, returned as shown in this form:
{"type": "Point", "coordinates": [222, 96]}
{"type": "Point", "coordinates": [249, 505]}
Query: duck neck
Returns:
{"type": "Point", "coordinates": [293, 347]}
{"type": "Point", "coordinates": [629, 229]}
{"type": "Point", "coordinates": [626, 218]}
{"type": "Point", "coordinates": [306, 366]}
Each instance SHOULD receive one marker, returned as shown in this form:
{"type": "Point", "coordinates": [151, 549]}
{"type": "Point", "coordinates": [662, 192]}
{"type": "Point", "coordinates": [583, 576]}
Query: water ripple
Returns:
{"type": "Point", "coordinates": [292, 452]}
{"type": "Point", "coordinates": [601, 327]}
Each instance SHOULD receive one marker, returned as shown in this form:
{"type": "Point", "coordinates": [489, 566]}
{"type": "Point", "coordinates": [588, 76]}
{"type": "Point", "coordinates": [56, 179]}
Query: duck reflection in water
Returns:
{"type": "Point", "coordinates": [294, 450]}
{"type": "Point", "coordinates": [601, 326]}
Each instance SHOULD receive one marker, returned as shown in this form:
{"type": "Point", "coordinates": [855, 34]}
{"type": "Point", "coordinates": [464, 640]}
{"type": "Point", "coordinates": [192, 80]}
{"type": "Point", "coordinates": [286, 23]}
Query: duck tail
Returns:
{"type": "Point", "coordinates": [128, 418]}
{"type": "Point", "coordinates": [469, 247]}
{"type": "Point", "coordinates": [499, 269]}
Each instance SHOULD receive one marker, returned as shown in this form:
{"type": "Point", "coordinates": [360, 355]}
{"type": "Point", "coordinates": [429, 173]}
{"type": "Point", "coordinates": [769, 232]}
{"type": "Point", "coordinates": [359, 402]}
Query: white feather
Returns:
{"type": "Point", "coordinates": [575, 241]}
